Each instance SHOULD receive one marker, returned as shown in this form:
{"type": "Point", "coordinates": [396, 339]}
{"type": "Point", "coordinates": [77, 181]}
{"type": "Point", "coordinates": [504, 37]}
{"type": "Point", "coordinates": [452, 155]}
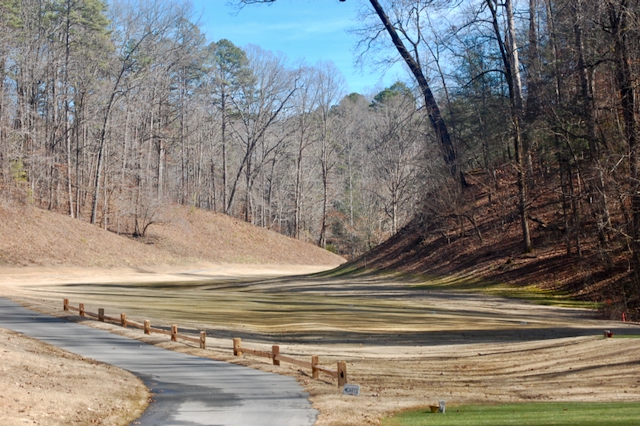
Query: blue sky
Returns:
{"type": "Point", "coordinates": [313, 30]}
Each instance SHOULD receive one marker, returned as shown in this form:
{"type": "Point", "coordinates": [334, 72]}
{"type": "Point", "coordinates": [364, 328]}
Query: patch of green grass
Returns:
{"type": "Point", "coordinates": [467, 283]}
{"type": "Point", "coordinates": [626, 336]}
{"type": "Point", "coordinates": [543, 297]}
{"type": "Point", "coordinates": [340, 271]}
{"type": "Point", "coordinates": [530, 414]}
{"type": "Point", "coordinates": [479, 285]}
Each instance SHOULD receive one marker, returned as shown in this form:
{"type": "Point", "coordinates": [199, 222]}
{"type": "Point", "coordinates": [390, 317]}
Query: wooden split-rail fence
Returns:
{"type": "Point", "coordinates": [340, 372]}
{"type": "Point", "coordinates": [124, 322]}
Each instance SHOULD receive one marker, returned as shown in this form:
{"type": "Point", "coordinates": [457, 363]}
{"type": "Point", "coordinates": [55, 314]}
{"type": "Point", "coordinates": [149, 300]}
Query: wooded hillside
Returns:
{"type": "Point", "coordinates": [109, 113]}
{"type": "Point", "coordinates": [476, 243]}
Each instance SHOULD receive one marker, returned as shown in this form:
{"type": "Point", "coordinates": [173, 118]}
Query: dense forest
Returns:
{"type": "Point", "coordinates": [111, 110]}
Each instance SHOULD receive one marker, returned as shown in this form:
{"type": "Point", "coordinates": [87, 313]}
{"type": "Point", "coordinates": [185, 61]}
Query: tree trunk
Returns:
{"type": "Point", "coordinates": [512, 73]}
{"type": "Point", "coordinates": [67, 124]}
{"type": "Point", "coordinates": [435, 117]}
{"type": "Point", "coordinates": [619, 24]}
{"type": "Point", "coordinates": [298, 190]}
{"type": "Point", "coordinates": [597, 191]}
{"type": "Point", "coordinates": [322, 240]}
{"type": "Point", "coordinates": [224, 151]}
{"type": "Point", "coordinates": [247, 191]}
{"type": "Point", "coordinates": [101, 147]}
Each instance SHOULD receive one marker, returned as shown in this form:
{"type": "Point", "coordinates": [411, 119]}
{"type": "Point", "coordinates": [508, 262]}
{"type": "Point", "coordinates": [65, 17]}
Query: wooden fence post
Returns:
{"type": "Point", "coordinates": [174, 332]}
{"type": "Point", "coordinates": [342, 373]}
{"type": "Point", "coordinates": [237, 349]}
{"type": "Point", "coordinates": [65, 304]}
{"type": "Point", "coordinates": [203, 340]}
{"type": "Point", "coordinates": [147, 327]}
{"type": "Point", "coordinates": [81, 309]}
{"type": "Point", "coordinates": [314, 370]}
{"type": "Point", "coordinates": [123, 320]}
{"type": "Point", "coordinates": [275, 351]}
{"type": "Point", "coordinates": [101, 314]}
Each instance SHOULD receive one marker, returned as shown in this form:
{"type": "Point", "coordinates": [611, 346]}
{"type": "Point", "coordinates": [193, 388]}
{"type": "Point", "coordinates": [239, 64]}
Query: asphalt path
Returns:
{"type": "Point", "coordinates": [189, 390]}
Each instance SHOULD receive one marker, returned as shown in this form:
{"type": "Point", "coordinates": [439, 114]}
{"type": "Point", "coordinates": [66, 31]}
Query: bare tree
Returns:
{"type": "Point", "coordinates": [330, 89]}
{"type": "Point", "coordinates": [511, 63]}
{"type": "Point", "coordinates": [406, 28]}
{"type": "Point", "coordinates": [259, 103]}
{"type": "Point", "coordinates": [229, 70]}
{"type": "Point", "coordinates": [396, 144]}
{"type": "Point", "coordinates": [136, 28]}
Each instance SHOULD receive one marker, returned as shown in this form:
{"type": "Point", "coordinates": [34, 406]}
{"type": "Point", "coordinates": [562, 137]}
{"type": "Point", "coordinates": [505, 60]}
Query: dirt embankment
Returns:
{"type": "Point", "coordinates": [42, 384]}
{"type": "Point", "coordinates": [182, 236]}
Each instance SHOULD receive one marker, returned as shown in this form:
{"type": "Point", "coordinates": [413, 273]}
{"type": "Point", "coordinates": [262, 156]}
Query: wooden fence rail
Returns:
{"type": "Point", "coordinates": [340, 372]}
{"type": "Point", "coordinates": [146, 327]}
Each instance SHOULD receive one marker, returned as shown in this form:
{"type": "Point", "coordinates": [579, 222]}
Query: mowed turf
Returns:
{"type": "Point", "coordinates": [307, 305]}
{"type": "Point", "coordinates": [400, 342]}
{"type": "Point", "coordinates": [531, 414]}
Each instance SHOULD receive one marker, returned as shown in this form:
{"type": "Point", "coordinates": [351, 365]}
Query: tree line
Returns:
{"type": "Point", "coordinates": [109, 112]}
{"type": "Point", "coordinates": [546, 89]}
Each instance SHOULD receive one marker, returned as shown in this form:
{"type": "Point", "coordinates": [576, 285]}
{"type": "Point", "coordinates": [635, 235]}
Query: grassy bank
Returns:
{"type": "Point", "coordinates": [531, 414]}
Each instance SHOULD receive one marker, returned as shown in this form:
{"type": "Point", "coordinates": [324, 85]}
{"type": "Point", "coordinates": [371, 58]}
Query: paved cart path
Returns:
{"type": "Point", "coordinates": [189, 390]}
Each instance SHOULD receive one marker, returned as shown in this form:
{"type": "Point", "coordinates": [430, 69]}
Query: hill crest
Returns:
{"type": "Point", "coordinates": [34, 237]}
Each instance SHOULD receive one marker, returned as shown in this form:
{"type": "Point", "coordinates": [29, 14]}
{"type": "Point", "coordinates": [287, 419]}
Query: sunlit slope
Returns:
{"type": "Point", "coordinates": [182, 235]}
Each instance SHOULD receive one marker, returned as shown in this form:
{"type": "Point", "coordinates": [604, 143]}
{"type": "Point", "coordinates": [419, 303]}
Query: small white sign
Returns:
{"type": "Point", "coordinates": [351, 390]}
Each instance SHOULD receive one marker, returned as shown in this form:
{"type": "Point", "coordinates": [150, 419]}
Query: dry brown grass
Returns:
{"type": "Point", "coordinates": [444, 242]}
{"type": "Point", "coordinates": [187, 232]}
{"type": "Point", "coordinates": [42, 384]}
{"type": "Point", "coordinates": [35, 237]}
{"type": "Point", "coordinates": [406, 347]}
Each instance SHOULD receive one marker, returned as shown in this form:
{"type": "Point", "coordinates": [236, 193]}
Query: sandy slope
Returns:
{"type": "Point", "coordinates": [183, 236]}
{"type": "Point", "coordinates": [42, 384]}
